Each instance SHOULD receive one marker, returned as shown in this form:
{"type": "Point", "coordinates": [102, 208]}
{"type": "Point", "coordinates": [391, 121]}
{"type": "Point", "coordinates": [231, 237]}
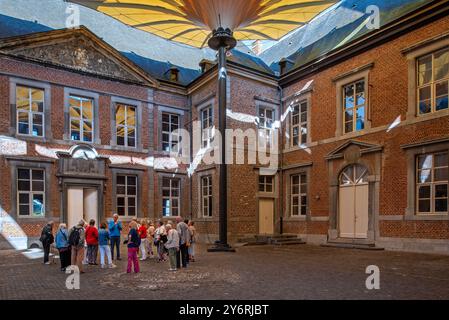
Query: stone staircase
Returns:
{"type": "Point", "coordinates": [277, 240]}
{"type": "Point", "coordinates": [348, 244]}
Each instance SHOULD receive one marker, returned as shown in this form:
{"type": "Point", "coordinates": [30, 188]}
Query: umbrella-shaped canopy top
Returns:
{"type": "Point", "coordinates": [191, 21]}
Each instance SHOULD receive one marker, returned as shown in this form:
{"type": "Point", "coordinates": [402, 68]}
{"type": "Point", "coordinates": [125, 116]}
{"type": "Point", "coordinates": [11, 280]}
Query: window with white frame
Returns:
{"type": "Point", "coordinates": [125, 123]}
{"type": "Point", "coordinates": [170, 196]}
{"type": "Point", "coordinates": [433, 82]}
{"type": "Point", "coordinates": [30, 111]}
{"type": "Point", "coordinates": [266, 122]}
{"type": "Point", "coordinates": [266, 184]}
{"type": "Point", "coordinates": [207, 125]}
{"type": "Point", "coordinates": [354, 106]}
{"type": "Point", "coordinates": [432, 183]}
{"type": "Point", "coordinates": [31, 192]}
{"type": "Point", "coordinates": [126, 195]}
{"type": "Point", "coordinates": [206, 196]}
{"type": "Point", "coordinates": [170, 140]}
{"type": "Point", "coordinates": [298, 194]}
{"type": "Point", "coordinates": [81, 118]}
{"type": "Point", "coordinates": [298, 131]}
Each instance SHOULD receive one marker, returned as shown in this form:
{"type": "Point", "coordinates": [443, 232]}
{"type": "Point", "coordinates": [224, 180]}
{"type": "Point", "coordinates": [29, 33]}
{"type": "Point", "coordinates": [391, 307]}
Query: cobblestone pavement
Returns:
{"type": "Point", "coordinates": [260, 272]}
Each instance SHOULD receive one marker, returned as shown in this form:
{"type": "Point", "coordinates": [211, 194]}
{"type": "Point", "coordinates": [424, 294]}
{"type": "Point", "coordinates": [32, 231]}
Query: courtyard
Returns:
{"type": "Point", "coordinates": [252, 272]}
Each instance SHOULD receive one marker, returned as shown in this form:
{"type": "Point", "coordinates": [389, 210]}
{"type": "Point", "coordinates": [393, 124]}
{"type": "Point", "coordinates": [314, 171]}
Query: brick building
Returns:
{"type": "Point", "coordinates": [362, 114]}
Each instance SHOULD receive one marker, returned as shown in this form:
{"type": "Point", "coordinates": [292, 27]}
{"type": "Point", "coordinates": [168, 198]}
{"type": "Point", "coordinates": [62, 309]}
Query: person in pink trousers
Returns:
{"type": "Point", "coordinates": [133, 248]}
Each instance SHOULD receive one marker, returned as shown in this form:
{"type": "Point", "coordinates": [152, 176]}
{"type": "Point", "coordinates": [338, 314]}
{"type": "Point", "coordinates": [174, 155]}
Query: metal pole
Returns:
{"type": "Point", "coordinates": [221, 41]}
{"type": "Point", "coordinates": [222, 84]}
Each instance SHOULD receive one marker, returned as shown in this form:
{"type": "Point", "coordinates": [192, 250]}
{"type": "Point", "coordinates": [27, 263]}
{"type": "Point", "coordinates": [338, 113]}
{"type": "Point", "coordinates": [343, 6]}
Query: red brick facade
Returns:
{"type": "Point", "coordinates": [383, 151]}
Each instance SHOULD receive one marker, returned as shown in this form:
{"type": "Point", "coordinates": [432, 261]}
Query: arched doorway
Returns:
{"type": "Point", "coordinates": [353, 202]}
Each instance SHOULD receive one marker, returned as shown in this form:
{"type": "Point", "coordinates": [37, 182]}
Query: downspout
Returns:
{"type": "Point", "coordinates": [189, 102]}
{"type": "Point", "coordinates": [281, 164]}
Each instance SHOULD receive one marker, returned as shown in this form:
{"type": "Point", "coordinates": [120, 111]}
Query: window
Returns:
{"type": "Point", "coordinates": [207, 124]}
{"type": "Point", "coordinates": [170, 123]}
{"type": "Point", "coordinates": [266, 184]}
{"type": "Point", "coordinates": [81, 118]}
{"type": "Point", "coordinates": [298, 191]}
{"type": "Point", "coordinates": [266, 121]}
{"type": "Point", "coordinates": [299, 124]}
{"type": "Point", "coordinates": [30, 111]}
{"type": "Point", "coordinates": [206, 196]}
{"type": "Point", "coordinates": [30, 192]}
{"type": "Point", "coordinates": [354, 106]}
{"type": "Point", "coordinates": [125, 122]}
{"type": "Point", "coordinates": [432, 183]}
{"type": "Point", "coordinates": [433, 82]}
{"type": "Point", "coordinates": [126, 194]}
{"type": "Point", "coordinates": [170, 197]}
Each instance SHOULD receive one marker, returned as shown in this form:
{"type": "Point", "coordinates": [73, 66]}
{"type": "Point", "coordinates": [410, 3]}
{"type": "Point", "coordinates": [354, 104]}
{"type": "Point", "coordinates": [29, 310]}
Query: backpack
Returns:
{"type": "Point", "coordinates": [74, 238]}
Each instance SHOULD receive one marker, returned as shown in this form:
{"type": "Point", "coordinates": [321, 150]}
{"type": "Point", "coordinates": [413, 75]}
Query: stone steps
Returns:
{"type": "Point", "coordinates": [348, 245]}
{"type": "Point", "coordinates": [278, 239]}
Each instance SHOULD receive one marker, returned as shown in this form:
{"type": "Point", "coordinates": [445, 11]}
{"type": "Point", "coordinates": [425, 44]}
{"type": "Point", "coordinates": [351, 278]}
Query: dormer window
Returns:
{"type": "Point", "coordinates": [174, 74]}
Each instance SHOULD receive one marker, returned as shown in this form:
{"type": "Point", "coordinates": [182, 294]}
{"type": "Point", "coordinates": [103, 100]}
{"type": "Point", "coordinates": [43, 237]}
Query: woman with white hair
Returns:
{"type": "Point", "coordinates": [62, 244]}
{"type": "Point", "coordinates": [172, 245]}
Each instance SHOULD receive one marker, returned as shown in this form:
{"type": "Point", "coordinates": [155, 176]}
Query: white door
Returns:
{"type": "Point", "coordinates": [81, 204]}
{"type": "Point", "coordinates": [353, 202]}
{"type": "Point", "coordinates": [90, 205]}
{"type": "Point", "coordinates": [266, 216]}
{"type": "Point", "coordinates": [75, 206]}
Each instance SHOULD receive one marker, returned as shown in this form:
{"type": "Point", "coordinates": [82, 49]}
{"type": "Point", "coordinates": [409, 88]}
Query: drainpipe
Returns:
{"type": "Point", "coordinates": [189, 102]}
{"type": "Point", "coordinates": [281, 164]}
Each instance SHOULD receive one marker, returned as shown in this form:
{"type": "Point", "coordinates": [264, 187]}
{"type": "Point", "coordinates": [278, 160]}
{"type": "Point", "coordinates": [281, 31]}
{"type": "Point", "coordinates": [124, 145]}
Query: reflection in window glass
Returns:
{"type": "Point", "coordinates": [433, 82]}
{"type": "Point", "coordinates": [432, 183]}
{"type": "Point", "coordinates": [354, 105]}
{"type": "Point", "coordinates": [30, 111]}
{"type": "Point", "coordinates": [125, 121]}
{"type": "Point", "coordinates": [81, 119]}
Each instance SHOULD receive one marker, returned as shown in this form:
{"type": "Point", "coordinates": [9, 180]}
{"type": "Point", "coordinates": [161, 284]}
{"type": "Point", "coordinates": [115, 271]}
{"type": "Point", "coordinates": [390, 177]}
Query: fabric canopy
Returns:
{"type": "Point", "coordinates": [191, 21]}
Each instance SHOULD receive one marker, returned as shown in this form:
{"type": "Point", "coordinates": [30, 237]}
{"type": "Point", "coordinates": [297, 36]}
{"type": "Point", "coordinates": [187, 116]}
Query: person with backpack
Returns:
{"type": "Point", "coordinates": [115, 228]}
{"type": "Point", "coordinates": [76, 242]}
{"type": "Point", "coordinates": [92, 243]}
{"type": "Point", "coordinates": [47, 239]}
{"type": "Point", "coordinates": [160, 238]}
{"type": "Point", "coordinates": [62, 244]}
{"type": "Point", "coordinates": [133, 242]}
{"type": "Point", "coordinates": [103, 242]}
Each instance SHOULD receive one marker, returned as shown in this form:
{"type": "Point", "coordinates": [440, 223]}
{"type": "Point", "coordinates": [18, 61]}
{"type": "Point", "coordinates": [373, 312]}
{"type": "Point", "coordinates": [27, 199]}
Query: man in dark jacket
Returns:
{"type": "Point", "coordinates": [47, 239]}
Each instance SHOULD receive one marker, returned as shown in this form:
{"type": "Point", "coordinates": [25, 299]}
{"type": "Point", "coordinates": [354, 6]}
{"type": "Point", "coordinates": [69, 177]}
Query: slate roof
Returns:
{"type": "Point", "coordinates": [333, 28]}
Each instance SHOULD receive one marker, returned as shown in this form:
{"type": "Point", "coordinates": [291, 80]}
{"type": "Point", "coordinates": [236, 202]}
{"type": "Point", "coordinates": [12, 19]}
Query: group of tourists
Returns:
{"type": "Point", "coordinates": [79, 246]}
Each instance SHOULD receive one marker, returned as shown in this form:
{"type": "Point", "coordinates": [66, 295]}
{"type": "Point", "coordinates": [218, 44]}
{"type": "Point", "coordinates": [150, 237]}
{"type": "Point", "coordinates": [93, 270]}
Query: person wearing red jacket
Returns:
{"type": "Point", "coordinates": [92, 243]}
{"type": "Point", "coordinates": [143, 234]}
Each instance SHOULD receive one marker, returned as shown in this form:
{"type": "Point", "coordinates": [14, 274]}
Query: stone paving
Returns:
{"type": "Point", "coordinates": [259, 272]}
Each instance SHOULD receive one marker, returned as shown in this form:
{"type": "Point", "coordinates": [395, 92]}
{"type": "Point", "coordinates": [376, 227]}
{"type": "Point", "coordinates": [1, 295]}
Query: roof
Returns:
{"type": "Point", "coordinates": [341, 24]}
{"type": "Point", "coordinates": [152, 53]}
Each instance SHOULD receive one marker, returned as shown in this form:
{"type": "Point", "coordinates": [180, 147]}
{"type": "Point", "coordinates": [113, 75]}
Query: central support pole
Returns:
{"type": "Point", "coordinates": [221, 41]}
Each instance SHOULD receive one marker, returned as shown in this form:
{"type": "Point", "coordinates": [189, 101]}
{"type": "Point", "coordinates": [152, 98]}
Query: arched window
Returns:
{"type": "Point", "coordinates": [354, 174]}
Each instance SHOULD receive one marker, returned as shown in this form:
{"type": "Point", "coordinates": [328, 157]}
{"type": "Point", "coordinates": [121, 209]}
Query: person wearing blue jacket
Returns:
{"type": "Point", "coordinates": [103, 243]}
{"type": "Point", "coordinates": [115, 228]}
{"type": "Point", "coordinates": [62, 244]}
